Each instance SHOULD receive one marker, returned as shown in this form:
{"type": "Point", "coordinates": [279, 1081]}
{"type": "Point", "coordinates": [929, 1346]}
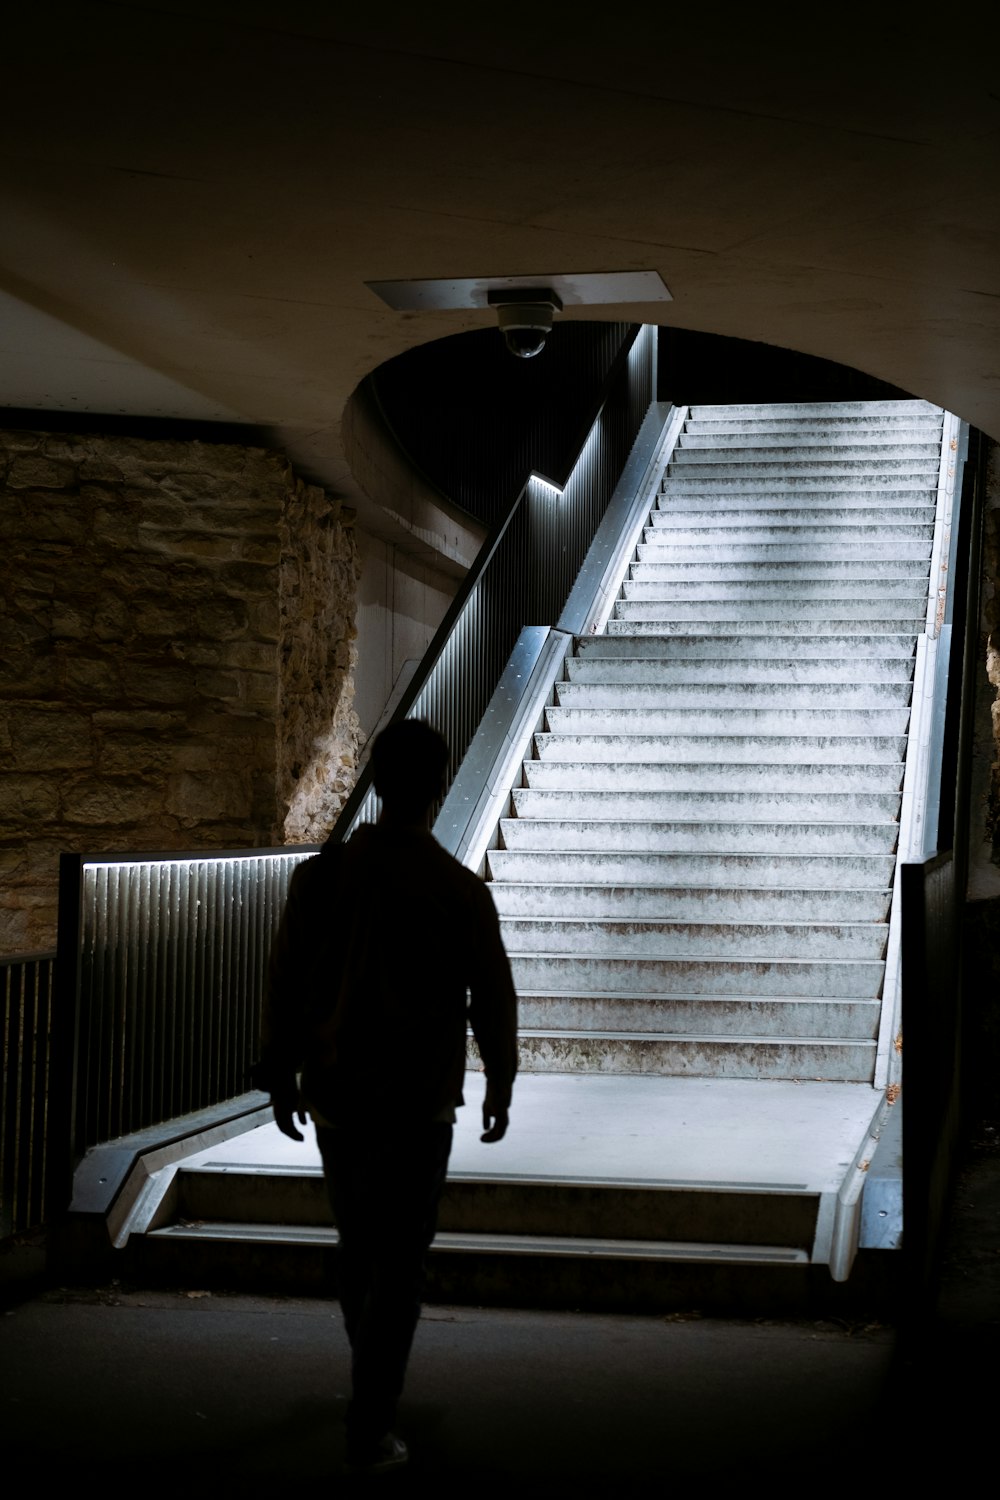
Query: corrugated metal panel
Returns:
{"type": "Point", "coordinates": [173, 960]}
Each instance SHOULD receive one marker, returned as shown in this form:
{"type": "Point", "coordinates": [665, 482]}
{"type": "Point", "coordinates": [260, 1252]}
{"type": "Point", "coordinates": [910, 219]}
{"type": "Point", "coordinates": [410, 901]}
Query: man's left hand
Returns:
{"type": "Point", "coordinates": [286, 1107]}
{"type": "Point", "coordinates": [495, 1119]}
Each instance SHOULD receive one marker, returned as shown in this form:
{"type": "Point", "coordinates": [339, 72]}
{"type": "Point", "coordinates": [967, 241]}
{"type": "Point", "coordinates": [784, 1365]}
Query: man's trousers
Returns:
{"type": "Point", "coordinates": [384, 1185]}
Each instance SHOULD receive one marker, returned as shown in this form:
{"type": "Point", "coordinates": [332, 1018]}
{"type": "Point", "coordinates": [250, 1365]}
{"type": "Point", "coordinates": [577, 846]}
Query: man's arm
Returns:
{"type": "Point", "coordinates": [496, 1117]}
{"type": "Point", "coordinates": [493, 1016]}
{"type": "Point", "coordinates": [283, 1012]}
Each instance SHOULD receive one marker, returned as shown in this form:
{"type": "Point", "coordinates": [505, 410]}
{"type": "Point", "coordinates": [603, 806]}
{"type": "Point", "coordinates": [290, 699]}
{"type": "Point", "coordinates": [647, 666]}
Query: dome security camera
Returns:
{"type": "Point", "coordinates": [525, 318]}
{"type": "Point", "coordinates": [525, 327]}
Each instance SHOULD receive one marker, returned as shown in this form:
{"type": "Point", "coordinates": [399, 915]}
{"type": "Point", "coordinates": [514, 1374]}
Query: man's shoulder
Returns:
{"type": "Point", "coordinates": [386, 854]}
{"type": "Point", "coordinates": [426, 859]}
{"type": "Point", "coordinates": [315, 864]}
{"type": "Point", "coordinates": [315, 871]}
{"type": "Point", "coordinates": [468, 887]}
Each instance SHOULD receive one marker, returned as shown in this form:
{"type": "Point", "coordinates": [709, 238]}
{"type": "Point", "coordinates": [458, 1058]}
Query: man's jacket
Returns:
{"type": "Point", "coordinates": [387, 951]}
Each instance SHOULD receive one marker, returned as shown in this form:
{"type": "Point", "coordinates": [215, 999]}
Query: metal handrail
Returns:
{"type": "Point", "coordinates": [932, 893]}
{"type": "Point", "coordinates": [480, 793]}
{"type": "Point", "coordinates": [523, 575]}
{"type": "Point", "coordinates": [918, 825]}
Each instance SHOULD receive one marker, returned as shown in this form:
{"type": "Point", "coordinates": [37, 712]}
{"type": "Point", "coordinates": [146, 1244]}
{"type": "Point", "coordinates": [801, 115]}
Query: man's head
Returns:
{"type": "Point", "coordinates": [409, 760]}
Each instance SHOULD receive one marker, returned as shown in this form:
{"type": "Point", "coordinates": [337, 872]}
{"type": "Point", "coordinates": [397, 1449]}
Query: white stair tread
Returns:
{"type": "Point", "coordinates": [910, 406]}
{"type": "Point", "coordinates": [752, 806]}
{"type": "Point", "coordinates": [803, 644]}
{"type": "Point", "coordinates": [630, 923]}
{"type": "Point", "coordinates": [496, 1244]}
{"type": "Point", "coordinates": [655, 1250]}
{"type": "Point", "coordinates": [706, 1039]}
{"type": "Point", "coordinates": [694, 998]}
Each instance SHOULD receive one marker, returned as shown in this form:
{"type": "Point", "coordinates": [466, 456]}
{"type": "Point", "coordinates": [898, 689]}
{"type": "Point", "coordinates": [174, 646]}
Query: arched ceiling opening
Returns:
{"type": "Point", "coordinates": [475, 422]}
{"type": "Point", "coordinates": [198, 191]}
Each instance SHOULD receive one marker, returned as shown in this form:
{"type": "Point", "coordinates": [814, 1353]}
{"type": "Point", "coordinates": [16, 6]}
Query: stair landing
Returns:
{"type": "Point", "coordinates": [798, 1136]}
{"type": "Point", "coordinates": [682, 1179]}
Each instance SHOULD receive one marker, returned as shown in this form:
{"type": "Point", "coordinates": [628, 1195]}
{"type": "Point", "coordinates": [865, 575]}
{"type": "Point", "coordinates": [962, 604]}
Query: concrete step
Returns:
{"type": "Point", "coordinates": [629, 1211]}
{"type": "Point", "coordinates": [614, 1276]}
{"type": "Point", "coordinates": [852, 501]}
{"type": "Point", "coordinates": [660, 548]}
{"type": "Point", "coordinates": [797, 410]}
{"type": "Point", "coordinates": [817, 456]}
{"type": "Point", "coordinates": [701, 1015]}
{"type": "Point", "coordinates": [689, 904]}
{"type": "Point", "coordinates": [919, 436]}
{"type": "Point", "coordinates": [714, 776]}
{"type": "Point", "coordinates": [621, 936]}
{"type": "Point", "coordinates": [829, 569]}
{"type": "Point", "coordinates": [741, 805]}
{"type": "Point", "coordinates": [712, 721]}
{"type": "Point", "coordinates": [849, 978]}
{"type": "Point", "coordinates": [916, 569]}
{"type": "Point", "coordinates": [861, 426]}
{"type": "Point", "coordinates": [842, 1061]}
{"type": "Point", "coordinates": [648, 581]}
{"type": "Point", "coordinates": [697, 464]}
{"type": "Point", "coordinates": [757, 871]}
{"type": "Point", "coordinates": [715, 533]}
{"type": "Point", "coordinates": [747, 671]}
{"type": "Point", "coordinates": [732, 695]}
{"type": "Point", "coordinates": [876, 486]}
{"type": "Point", "coordinates": [770, 630]}
{"type": "Point", "coordinates": [589, 1208]}
{"type": "Point", "coordinates": [696, 515]}
{"type": "Point", "coordinates": [662, 603]}
{"type": "Point", "coordinates": [732, 749]}
{"type": "Point", "coordinates": [786, 644]}
{"type": "Point", "coordinates": [736, 837]}
{"type": "Point", "coordinates": [774, 591]}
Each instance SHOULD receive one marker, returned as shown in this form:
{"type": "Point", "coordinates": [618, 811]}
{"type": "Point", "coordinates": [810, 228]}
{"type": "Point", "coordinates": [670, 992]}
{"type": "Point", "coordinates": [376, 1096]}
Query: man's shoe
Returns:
{"type": "Point", "coordinates": [389, 1452]}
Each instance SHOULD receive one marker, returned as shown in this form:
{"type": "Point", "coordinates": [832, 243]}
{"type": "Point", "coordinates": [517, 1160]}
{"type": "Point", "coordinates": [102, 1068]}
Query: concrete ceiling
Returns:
{"type": "Point", "coordinates": [195, 194]}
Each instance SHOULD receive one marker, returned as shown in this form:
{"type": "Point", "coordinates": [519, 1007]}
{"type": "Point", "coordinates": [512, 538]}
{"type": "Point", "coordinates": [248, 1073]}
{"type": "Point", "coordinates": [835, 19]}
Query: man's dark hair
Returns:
{"type": "Point", "coordinates": [409, 760]}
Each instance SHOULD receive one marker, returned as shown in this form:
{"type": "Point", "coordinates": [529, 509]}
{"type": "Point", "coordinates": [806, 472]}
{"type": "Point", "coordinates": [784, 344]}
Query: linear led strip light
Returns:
{"type": "Point", "coordinates": [112, 862]}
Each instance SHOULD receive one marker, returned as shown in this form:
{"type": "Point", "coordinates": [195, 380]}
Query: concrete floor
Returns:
{"type": "Point", "coordinates": [196, 1393]}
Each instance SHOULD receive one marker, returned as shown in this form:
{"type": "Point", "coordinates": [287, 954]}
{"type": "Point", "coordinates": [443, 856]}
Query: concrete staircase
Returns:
{"type": "Point", "coordinates": [694, 885]}
{"type": "Point", "coordinates": [697, 874]}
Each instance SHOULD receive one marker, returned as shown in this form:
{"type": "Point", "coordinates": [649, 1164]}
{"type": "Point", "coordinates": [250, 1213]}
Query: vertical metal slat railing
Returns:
{"type": "Point", "coordinates": [523, 574]}
{"type": "Point", "coordinates": [172, 958]}
{"type": "Point", "coordinates": [26, 1015]}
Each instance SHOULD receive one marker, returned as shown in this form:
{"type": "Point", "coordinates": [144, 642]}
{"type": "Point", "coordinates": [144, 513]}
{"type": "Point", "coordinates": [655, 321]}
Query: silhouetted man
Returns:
{"type": "Point", "coordinates": [387, 950]}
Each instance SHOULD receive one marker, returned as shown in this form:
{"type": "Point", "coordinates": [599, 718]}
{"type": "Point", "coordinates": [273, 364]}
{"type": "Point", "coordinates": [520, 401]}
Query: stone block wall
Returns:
{"type": "Point", "coordinates": [176, 653]}
{"type": "Point", "coordinates": [319, 735]}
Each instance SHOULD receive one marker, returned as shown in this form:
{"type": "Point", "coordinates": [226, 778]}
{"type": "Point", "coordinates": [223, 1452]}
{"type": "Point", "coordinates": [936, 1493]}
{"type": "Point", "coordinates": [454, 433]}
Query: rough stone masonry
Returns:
{"type": "Point", "coordinates": [176, 657]}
